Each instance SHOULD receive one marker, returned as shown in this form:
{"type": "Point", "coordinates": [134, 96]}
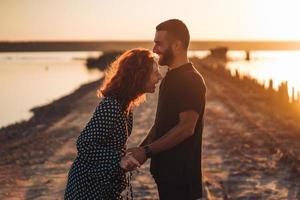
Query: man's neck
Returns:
{"type": "Point", "coordinates": [178, 62]}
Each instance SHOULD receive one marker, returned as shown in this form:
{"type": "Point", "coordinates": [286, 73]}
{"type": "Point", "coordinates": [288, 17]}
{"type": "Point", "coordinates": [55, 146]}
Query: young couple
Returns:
{"type": "Point", "coordinates": [173, 143]}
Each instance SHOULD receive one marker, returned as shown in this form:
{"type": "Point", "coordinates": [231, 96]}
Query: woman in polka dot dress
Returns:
{"type": "Point", "coordinates": [96, 172]}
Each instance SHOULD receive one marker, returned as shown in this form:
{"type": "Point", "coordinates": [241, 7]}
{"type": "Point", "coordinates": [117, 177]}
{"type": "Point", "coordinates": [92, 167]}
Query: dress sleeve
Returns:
{"type": "Point", "coordinates": [130, 123]}
{"type": "Point", "coordinates": [93, 143]}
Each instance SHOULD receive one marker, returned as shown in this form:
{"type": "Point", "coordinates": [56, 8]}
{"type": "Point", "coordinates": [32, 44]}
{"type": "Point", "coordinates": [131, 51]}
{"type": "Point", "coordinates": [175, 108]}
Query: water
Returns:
{"type": "Point", "coordinates": [28, 80]}
{"type": "Point", "coordinates": [33, 79]}
{"type": "Point", "coordinates": [280, 66]}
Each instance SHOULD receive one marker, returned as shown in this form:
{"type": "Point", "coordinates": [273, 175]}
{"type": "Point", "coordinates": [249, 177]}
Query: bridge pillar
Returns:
{"type": "Point", "coordinates": [248, 55]}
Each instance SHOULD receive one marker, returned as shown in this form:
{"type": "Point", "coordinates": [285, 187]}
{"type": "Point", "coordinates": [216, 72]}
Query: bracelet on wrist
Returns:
{"type": "Point", "coordinates": [148, 151]}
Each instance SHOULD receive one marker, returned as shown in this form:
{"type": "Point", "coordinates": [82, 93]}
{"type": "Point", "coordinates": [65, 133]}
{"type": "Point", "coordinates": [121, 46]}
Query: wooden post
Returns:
{"type": "Point", "coordinates": [248, 55]}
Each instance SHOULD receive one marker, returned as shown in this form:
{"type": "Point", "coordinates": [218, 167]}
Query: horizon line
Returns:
{"type": "Point", "coordinates": [125, 45]}
{"type": "Point", "coordinates": [139, 40]}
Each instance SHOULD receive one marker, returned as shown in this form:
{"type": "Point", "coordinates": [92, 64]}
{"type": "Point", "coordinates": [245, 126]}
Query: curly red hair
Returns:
{"type": "Point", "coordinates": [127, 76]}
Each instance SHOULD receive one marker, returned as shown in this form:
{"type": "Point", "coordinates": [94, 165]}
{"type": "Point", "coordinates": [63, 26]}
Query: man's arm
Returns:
{"type": "Point", "coordinates": [150, 136]}
{"type": "Point", "coordinates": [183, 130]}
{"type": "Point", "coordinates": [140, 156]}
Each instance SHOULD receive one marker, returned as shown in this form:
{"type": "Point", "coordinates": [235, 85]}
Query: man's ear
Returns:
{"type": "Point", "coordinates": [177, 45]}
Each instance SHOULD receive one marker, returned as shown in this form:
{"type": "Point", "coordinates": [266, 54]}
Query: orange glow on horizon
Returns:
{"type": "Point", "coordinates": [120, 20]}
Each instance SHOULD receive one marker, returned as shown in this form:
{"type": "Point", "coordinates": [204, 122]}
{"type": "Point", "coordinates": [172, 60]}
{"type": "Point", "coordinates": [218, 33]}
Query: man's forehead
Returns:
{"type": "Point", "coordinates": [159, 35]}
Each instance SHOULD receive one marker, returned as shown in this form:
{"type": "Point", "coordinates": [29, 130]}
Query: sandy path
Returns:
{"type": "Point", "coordinates": [244, 157]}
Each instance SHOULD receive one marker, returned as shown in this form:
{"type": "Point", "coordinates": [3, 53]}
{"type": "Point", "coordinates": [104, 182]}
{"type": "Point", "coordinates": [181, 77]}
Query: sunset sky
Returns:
{"type": "Point", "coordinates": [136, 19]}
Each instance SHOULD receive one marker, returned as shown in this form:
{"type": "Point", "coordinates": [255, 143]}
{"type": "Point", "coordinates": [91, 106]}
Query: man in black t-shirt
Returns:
{"type": "Point", "coordinates": [174, 141]}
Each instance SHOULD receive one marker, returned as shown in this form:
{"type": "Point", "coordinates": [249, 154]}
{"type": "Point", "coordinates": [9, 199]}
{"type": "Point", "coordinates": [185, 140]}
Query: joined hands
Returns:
{"type": "Point", "coordinates": [133, 159]}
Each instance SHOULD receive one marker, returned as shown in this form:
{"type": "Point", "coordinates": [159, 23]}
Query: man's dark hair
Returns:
{"type": "Point", "coordinates": [176, 29]}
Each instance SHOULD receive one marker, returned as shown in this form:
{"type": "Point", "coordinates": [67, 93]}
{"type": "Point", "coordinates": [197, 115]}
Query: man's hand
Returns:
{"type": "Point", "coordinates": [129, 163]}
{"type": "Point", "coordinates": [139, 154]}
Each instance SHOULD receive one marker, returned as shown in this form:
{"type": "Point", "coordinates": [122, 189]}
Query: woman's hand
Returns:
{"type": "Point", "coordinates": [129, 163]}
{"type": "Point", "coordinates": [138, 153]}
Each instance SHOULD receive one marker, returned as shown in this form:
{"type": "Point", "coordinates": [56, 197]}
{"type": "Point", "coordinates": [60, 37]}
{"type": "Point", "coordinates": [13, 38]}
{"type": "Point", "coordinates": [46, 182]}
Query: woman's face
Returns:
{"type": "Point", "coordinates": [154, 78]}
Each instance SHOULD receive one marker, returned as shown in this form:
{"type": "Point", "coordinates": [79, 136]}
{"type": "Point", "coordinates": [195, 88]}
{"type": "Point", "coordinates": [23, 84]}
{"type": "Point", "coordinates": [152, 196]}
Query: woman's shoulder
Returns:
{"type": "Point", "coordinates": [110, 100]}
{"type": "Point", "coordinates": [110, 104]}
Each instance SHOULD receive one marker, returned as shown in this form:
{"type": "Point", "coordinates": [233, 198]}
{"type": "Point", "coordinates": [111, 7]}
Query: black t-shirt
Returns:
{"type": "Point", "coordinates": [182, 89]}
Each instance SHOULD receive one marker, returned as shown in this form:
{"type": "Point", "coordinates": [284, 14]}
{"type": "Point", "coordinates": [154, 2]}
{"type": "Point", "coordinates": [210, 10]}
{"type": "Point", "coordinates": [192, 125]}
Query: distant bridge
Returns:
{"type": "Point", "coordinates": [124, 45]}
{"type": "Point", "coordinates": [106, 46]}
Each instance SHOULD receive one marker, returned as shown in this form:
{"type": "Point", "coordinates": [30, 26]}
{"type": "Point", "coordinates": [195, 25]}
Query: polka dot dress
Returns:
{"type": "Point", "coordinates": [96, 173]}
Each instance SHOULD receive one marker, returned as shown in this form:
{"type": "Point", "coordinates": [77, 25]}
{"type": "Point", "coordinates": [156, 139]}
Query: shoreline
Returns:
{"type": "Point", "coordinates": [44, 116]}
{"type": "Point", "coordinates": [40, 111]}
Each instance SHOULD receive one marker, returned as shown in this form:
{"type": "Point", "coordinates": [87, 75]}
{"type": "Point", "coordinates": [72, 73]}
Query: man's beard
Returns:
{"type": "Point", "coordinates": [166, 57]}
